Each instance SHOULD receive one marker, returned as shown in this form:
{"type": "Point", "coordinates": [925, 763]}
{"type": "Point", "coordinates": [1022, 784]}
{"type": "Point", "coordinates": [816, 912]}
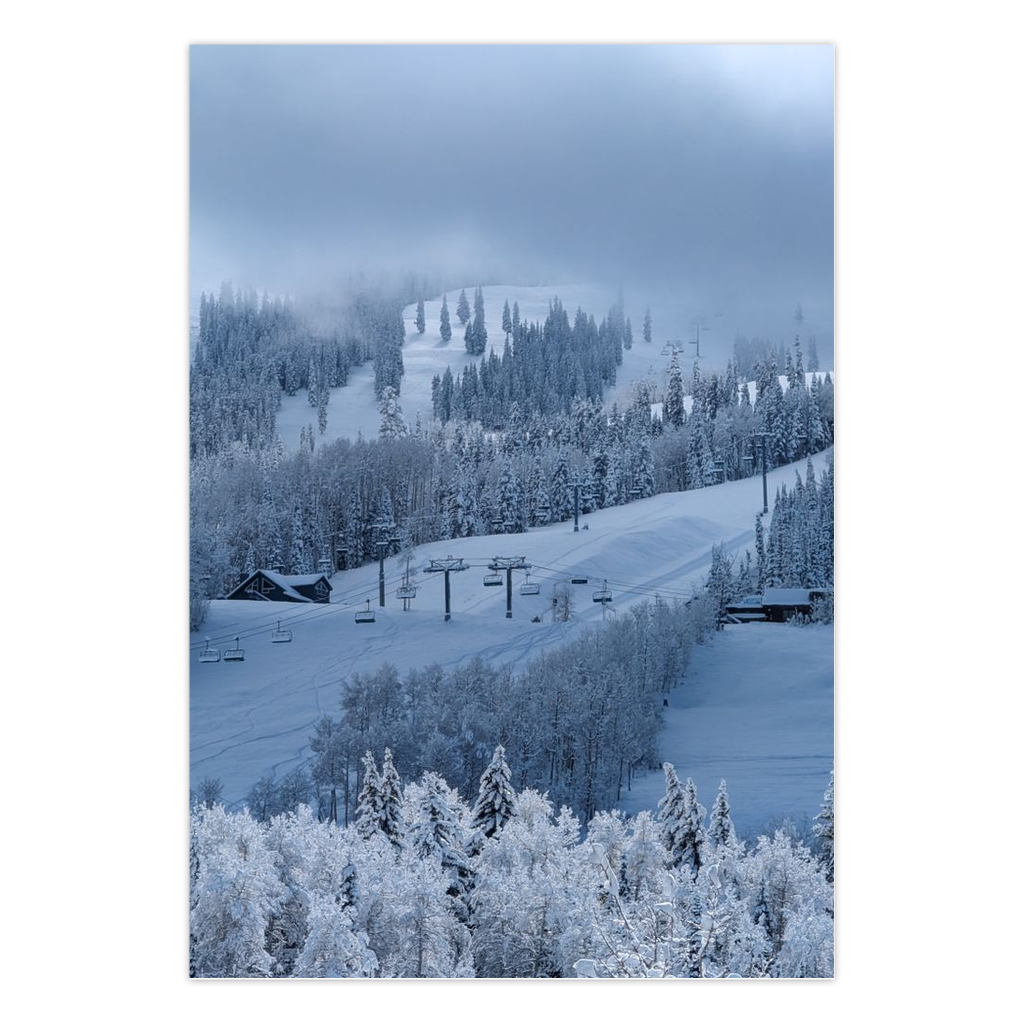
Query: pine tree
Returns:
{"type": "Point", "coordinates": [479, 336]}
{"type": "Point", "coordinates": [300, 557]}
{"type": "Point", "coordinates": [446, 323]}
{"type": "Point", "coordinates": [510, 500]}
{"type": "Point", "coordinates": [462, 310]}
{"type": "Point", "coordinates": [825, 829]}
{"type": "Point", "coordinates": [627, 341]}
{"type": "Point", "coordinates": [693, 845]}
{"type": "Point", "coordinates": [506, 320]}
{"type": "Point", "coordinates": [390, 814]}
{"type": "Point", "coordinates": [721, 832]}
{"type": "Point", "coordinates": [682, 823]}
{"type": "Point", "coordinates": [495, 803]}
{"type": "Point", "coordinates": [647, 325]}
{"type": "Point", "coordinates": [392, 425]}
{"type": "Point", "coordinates": [762, 558]}
{"type": "Point", "coordinates": [674, 410]}
{"type": "Point", "coordinates": [812, 353]}
{"type": "Point", "coordinates": [421, 317]}
{"type": "Point", "coordinates": [515, 317]}
{"type": "Point", "coordinates": [561, 492]}
{"type": "Point", "coordinates": [436, 832]}
{"type": "Point", "coordinates": [368, 808]}
{"type": "Point", "coordinates": [672, 814]}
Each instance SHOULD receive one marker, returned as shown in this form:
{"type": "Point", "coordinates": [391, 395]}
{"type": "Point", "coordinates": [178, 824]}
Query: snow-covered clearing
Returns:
{"type": "Point", "coordinates": [254, 717]}
{"type": "Point", "coordinates": [756, 708]}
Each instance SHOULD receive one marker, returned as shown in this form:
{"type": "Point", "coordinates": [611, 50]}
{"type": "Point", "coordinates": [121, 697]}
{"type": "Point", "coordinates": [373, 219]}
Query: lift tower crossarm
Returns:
{"type": "Point", "coordinates": [447, 566]}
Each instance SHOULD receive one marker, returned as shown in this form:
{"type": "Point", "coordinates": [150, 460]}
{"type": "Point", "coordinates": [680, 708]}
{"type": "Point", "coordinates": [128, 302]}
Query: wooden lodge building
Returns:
{"type": "Point", "coordinates": [777, 604]}
{"type": "Point", "coordinates": [265, 585]}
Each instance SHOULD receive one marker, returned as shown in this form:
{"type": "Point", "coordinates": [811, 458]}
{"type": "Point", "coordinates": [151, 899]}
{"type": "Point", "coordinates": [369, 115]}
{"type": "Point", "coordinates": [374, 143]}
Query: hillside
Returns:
{"type": "Point", "coordinates": [354, 407]}
{"type": "Point", "coordinates": [756, 710]}
{"type": "Point", "coordinates": [254, 717]}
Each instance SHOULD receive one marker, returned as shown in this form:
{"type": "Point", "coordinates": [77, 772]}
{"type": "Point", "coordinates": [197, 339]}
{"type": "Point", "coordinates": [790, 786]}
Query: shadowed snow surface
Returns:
{"type": "Point", "coordinates": [755, 708]}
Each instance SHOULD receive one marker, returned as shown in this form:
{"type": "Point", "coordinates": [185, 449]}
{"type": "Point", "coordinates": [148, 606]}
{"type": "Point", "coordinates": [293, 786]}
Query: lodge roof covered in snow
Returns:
{"type": "Point", "coordinates": [267, 585]}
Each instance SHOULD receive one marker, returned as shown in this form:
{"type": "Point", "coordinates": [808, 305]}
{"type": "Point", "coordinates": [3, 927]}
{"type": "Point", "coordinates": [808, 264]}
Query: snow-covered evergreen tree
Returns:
{"type": "Point", "coordinates": [674, 411]}
{"type": "Point", "coordinates": [421, 317]}
{"type": "Point", "coordinates": [446, 322]}
{"type": "Point", "coordinates": [825, 829]}
{"type": "Point", "coordinates": [682, 824]}
{"type": "Point", "coordinates": [462, 310]}
{"type": "Point", "coordinates": [368, 810]}
{"type": "Point", "coordinates": [390, 820]}
{"type": "Point", "coordinates": [495, 804]}
{"type": "Point", "coordinates": [721, 833]}
{"type": "Point", "coordinates": [392, 425]}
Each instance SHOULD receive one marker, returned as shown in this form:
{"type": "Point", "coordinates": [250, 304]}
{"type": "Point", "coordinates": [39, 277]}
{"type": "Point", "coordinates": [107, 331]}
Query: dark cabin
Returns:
{"type": "Point", "coordinates": [265, 585]}
{"type": "Point", "coordinates": [782, 603]}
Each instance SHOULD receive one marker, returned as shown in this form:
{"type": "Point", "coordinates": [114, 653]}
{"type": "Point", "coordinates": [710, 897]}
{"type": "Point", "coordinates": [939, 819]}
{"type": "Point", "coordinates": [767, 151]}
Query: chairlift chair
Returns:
{"type": "Point", "coordinates": [209, 654]}
{"type": "Point", "coordinates": [528, 589]}
{"type": "Point", "coordinates": [603, 595]}
{"type": "Point", "coordinates": [366, 615]}
{"type": "Point", "coordinates": [493, 579]}
{"type": "Point", "coordinates": [579, 580]}
{"type": "Point", "coordinates": [406, 592]}
{"type": "Point", "coordinates": [281, 636]}
{"type": "Point", "coordinates": [234, 653]}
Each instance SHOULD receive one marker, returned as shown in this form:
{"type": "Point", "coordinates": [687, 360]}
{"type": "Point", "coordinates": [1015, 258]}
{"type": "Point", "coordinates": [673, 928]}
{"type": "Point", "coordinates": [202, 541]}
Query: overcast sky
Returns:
{"type": "Point", "coordinates": [700, 168]}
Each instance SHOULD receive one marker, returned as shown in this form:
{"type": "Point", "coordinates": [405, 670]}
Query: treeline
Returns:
{"type": "Point", "coordinates": [544, 367]}
{"type": "Point", "coordinates": [748, 353]}
{"type": "Point", "coordinates": [579, 722]}
{"type": "Point", "coordinates": [255, 507]}
{"type": "Point", "coordinates": [800, 548]}
{"type": "Point", "coordinates": [426, 884]}
{"type": "Point", "coordinates": [250, 350]}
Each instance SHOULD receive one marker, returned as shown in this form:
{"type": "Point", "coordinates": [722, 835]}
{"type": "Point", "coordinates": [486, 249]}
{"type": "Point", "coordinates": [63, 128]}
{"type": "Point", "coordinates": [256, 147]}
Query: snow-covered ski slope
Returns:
{"type": "Point", "coordinates": [254, 717]}
{"type": "Point", "coordinates": [354, 408]}
{"type": "Point", "coordinates": [757, 710]}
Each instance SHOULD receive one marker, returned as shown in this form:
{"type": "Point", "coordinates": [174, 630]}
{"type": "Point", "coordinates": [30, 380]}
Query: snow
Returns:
{"type": "Point", "coordinates": [783, 382]}
{"type": "Point", "coordinates": [755, 709]}
{"type": "Point", "coordinates": [354, 408]}
{"type": "Point", "coordinates": [254, 717]}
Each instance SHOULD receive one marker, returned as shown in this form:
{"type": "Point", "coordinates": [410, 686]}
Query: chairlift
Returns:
{"type": "Point", "coordinates": [366, 615]}
{"type": "Point", "coordinates": [324, 567]}
{"type": "Point", "coordinates": [281, 636]}
{"type": "Point", "coordinates": [579, 580]}
{"type": "Point", "coordinates": [492, 579]}
{"type": "Point", "coordinates": [635, 492]}
{"type": "Point", "coordinates": [406, 592]}
{"type": "Point", "coordinates": [603, 595]}
{"type": "Point", "coordinates": [528, 589]}
{"type": "Point", "coordinates": [209, 654]}
{"type": "Point", "coordinates": [234, 653]}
